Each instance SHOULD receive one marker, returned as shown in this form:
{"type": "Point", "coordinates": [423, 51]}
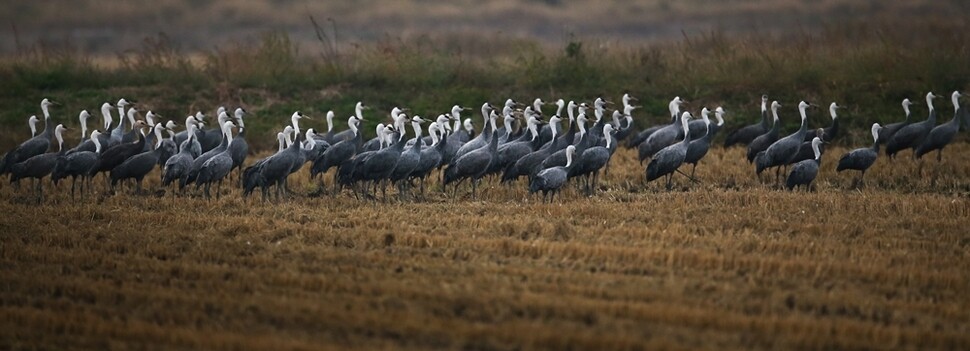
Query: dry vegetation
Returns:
{"type": "Point", "coordinates": [102, 28]}
{"type": "Point", "coordinates": [724, 264]}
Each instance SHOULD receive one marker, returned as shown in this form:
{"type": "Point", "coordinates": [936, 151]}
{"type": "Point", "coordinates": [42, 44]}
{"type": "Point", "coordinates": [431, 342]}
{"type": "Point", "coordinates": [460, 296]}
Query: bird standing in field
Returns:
{"type": "Point", "coordinates": [831, 131]}
{"type": "Point", "coordinates": [698, 148]}
{"type": "Point", "coordinates": [551, 180]}
{"type": "Point", "coordinates": [745, 135]}
{"type": "Point", "coordinates": [218, 166]}
{"type": "Point", "coordinates": [862, 158]}
{"type": "Point", "coordinates": [666, 161]}
{"type": "Point", "coordinates": [782, 151]}
{"type": "Point", "coordinates": [138, 166]}
{"type": "Point", "coordinates": [763, 141]}
{"type": "Point", "coordinates": [804, 172]}
{"type": "Point", "coordinates": [889, 130]}
{"type": "Point", "coordinates": [912, 135]}
{"type": "Point", "coordinates": [34, 146]}
{"type": "Point", "coordinates": [39, 166]}
{"type": "Point", "coordinates": [78, 164]}
{"type": "Point", "coordinates": [941, 135]}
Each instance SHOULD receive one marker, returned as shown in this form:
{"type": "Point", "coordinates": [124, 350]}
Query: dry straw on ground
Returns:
{"type": "Point", "coordinates": [727, 264]}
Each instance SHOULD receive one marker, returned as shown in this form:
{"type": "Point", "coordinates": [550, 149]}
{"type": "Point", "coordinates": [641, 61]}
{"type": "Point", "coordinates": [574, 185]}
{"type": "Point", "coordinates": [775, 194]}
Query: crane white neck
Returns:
{"type": "Point", "coordinates": [121, 113]}
{"type": "Point", "coordinates": [801, 111]}
{"type": "Point", "coordinates": [570, 150]}
{"type": "Point", "coordinates": [352, 123]}
{"type": "Point", "coordinates": [685, 125]}
{"type": "Point", "coordinates": [875, 132]}
{"type": "Point", "coordinates": [606, 133]}
{"type": "Point", "coordinates": [106, 114]}
{"type": "Point", "coordinates": [570, 111]}
{"type": "Point", "coordinates": [60, 138]}
{"type": "Point", "coordinates": [929, 101]}
{"type": "Point", "coordinates": [295, 120]}
{"type": "Point", "coordinates": [417, 129]}
{"type": "Point", "coordinates": [359, 111]}
{"type": "Point", "coordinates": [433, 132]}
{"type": "Point", "coordinates": [956, 101]}
{"type": "Point", "coordinates": [774, 112]}
{"type": "Point", "coordinates": [32, 122]}
{"type": "Point", "coordinates": [84, 124]}
{"type": "Point", "coordinates": [97, 143]}
{"type": "Point", "coordinates": [47, 114]}
{"type": "Point", "coordinates": [532, 125]}
{"type": "Point", "coordinates": [131, 116]}
{"type": "Point", "coordinates": [158, 135]}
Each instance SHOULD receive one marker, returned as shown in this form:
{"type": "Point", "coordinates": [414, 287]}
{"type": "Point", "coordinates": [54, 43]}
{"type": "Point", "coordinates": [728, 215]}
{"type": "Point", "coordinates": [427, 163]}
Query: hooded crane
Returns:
{"type": "Point", "coordinates": [84, 143]}
{"type": "Point", "coordinates": [212, 138]}
{"type": "Point", "coordinates": [889, 130]}
{"type": "Point", "coordinates": [116, 155]}
{"type": "Point", "coordinates": [912, 135]}
{"type": "Point", "coordinates": [340, 152]}
{"type": "Point", "coordinates": [663, 137]}
{"type": "Point", "coordinates": [674, 109]}
{"type": "Point", "coordinates": [138, 166]}
{"type": "Point", "coordinates": [698, 148]}
{"type": "Point", "coordinates": [223, 145]}
{"type": "Point", "coordinates": [409, 160]}
{"type": "Point", "coordinates": [78, 164]}
{"type": "Point", "coordinates": [745, 135]}
{"type": "Point", "coordinates": [39, 166]}
{"type": "Point", "coordinates": [831, 131]}
{"type": "Point", "coordinates": [623, 132]}
{"type": "Point", "coordinates": [34, 146]}
{"type": "Point", "coordinates": [593, 159]}
{"type": "Point", "coordinates": [217, 167]}
{"type": "Point", "coordinates": [941, 135]}
{"type": "Point", "coordinates": [270, 171]}
{"type": "Point", "coordinates": [511, 152]}
{"type": "Point", "coordinates": [804, 172]}
{"type": "Point", "coordinates": [431, 155]}
{"type": "Point", "coordinates": [805, 150]}
{"type": "Point", "coordinates": [482, 139]}
{"type": "Point", "coordinates": [239, 147]}
{"type": "Point", "coordinates": [551, 180]}
{"type": "Point", "coordinates": [530, 164]}
{"type": "Point", "coordinates": [781, 151]}
{"type": "Point", "coordinates": [378, 167]}
{"type": "Point", "coordinates": [179, 165]}
{"type": "Point", "coordinates": [666, 161]}
{"type": "Point", "coordinates": [862, 158]}
{"type": "Point", "coordinates": [32, 123]}
{"type": "Point", "coordinates": [473, 165]}
{"type": "Point", "coordinates": [762, 142]}
{"type": "Point", "coordinates": [118, 132]}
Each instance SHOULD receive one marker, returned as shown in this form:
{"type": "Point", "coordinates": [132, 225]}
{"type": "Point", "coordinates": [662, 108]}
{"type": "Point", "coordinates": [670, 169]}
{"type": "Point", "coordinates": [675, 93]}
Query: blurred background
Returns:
{"type": "Point", "coordinates": [277, 56]}
{"type": "Point", "coordinates": [101, 27]}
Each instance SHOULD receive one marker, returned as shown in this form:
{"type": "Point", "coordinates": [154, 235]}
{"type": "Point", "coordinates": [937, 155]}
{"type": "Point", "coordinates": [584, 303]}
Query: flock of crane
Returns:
{"type": "Point", "coordinates": [541, 150]}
